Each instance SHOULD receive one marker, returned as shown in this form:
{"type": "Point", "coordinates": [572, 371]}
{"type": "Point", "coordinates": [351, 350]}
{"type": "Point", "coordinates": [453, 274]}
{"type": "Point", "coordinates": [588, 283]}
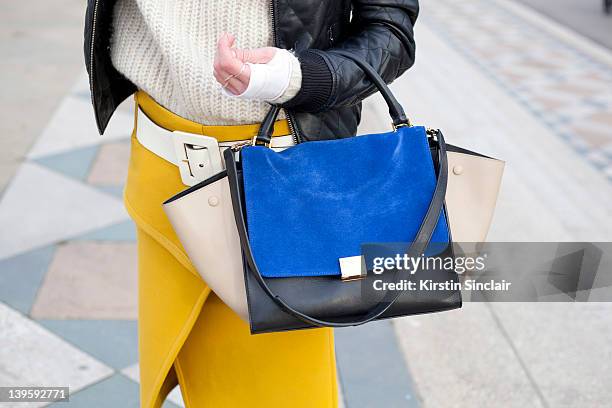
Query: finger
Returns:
{"type": "Point", "coordinates": [232, 39]}
{"type": "Point", "coordinates": [236, 85]}
{"type": "Point", "coordinates": [225, 61]}
{"type": "Point", "coordinates": [256, 55]}
{"type": "Point", "coordinates": [242, 54]}
{"type": "Point", "coordinates": [226, 39]}
{"type": "Point", "coordinates": [223, 80]}
{"type": "Point", "coordinates": [243, 74]}
{"type": "Point", "coordinates": [218, 76]}
{"type": "Point", "coordinates": [240, 80]}
{"type": "Point", "coordinates": [236, 89]}
{"type": "Point", "coordinates": [224, 46]}
{"type": "Point", "coordinates": [227, 66]}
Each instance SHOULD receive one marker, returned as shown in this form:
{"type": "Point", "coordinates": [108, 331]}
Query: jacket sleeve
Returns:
{"type": "Point", "coordinates": [381, 33]}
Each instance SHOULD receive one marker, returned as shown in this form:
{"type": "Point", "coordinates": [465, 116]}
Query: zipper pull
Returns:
{"type": "Point", "coordinates": [238, 146]}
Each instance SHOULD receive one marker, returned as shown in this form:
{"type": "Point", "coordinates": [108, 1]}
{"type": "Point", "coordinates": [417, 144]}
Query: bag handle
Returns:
{"type": "Point", "coordinates": [417, 247]}
{"type": "Point", "coordinates": [264, 136]}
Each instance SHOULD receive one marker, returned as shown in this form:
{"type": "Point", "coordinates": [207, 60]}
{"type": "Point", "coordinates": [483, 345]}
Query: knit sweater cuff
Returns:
{"type": "Point", "coordinates": [316, 84]}
{"type": "Point", "coordinates": [295, 80]}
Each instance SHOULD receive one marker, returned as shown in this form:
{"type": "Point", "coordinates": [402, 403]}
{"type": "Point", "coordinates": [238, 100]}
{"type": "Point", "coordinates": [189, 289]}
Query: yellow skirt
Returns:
{"type": "Point", "coordinates": [186, 334]}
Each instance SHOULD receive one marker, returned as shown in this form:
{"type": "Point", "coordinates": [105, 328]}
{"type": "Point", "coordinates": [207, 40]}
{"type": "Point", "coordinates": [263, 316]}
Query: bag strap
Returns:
{"type": "Point", "coordinates": [395, 108]}
{"type": "Point", "coordinates": [417, 247]}
{"type": "Point", "coordinates": [264, 136]}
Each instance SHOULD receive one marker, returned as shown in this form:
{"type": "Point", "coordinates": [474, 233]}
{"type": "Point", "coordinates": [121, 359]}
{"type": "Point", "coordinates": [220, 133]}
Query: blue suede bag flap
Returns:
{"type": "Point", "coordinates": [316, 202]}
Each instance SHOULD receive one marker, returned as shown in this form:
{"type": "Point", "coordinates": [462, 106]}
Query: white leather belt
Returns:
{"type": "Point", "coordinates": [198, 157]}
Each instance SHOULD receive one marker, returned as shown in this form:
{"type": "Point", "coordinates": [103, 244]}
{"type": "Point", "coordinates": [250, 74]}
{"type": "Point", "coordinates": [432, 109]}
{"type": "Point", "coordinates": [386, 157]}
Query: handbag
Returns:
{"type": "Point", "coordinates": [301, 212]}
{"type": "Point", "coordinates": [204, 221]}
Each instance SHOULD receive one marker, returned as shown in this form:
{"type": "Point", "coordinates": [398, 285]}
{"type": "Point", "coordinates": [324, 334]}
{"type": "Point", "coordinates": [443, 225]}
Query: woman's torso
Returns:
{"type": "Point", "coordinates": [167, 47]}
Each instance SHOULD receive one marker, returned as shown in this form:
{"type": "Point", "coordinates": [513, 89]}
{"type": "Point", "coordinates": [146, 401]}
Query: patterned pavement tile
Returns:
{"type": "Point", "coordinates": [123, 231]}
{"type": "Point", "coordinates": [110, 166]}
{"type": "Point", "coordinates": [114, 342]}
{"type": "Point", "coordinates": [114, 392]}
{"type": "Point", "coordinates": [604, 118]}
{"type": "Point", "coordinates": [75, 163]}
{"type": "Point", "coordinates": [594, 137]}
{"type": "Point", "coordinates": [174, 397]}
{"type": "Point", "coordinates": [576, 347]}
{"type": "Point", "coordinates": [379, 380]}
{"type": "Point", "coordinates": [41, 207]}
{"type": "Point", "coordinates": [73, 126]}
{"type": "Point", "coordinates": [90, 280]}
{"type": "Point", "coordinates": [460, 359]}
{"type": "Point", "coordinates": [31, 355]}
{"type": "Point", "coordinates": [21, 276]}
{"type": "Point", "coordinates": [559, 82]}
{"type": "Point", "coordinates": [132, 372]}
{"type": "Point", "coordinates": [82, 94]}
{"type": "Point", "coordinates": [81, 87]}
{"type": "Point", "coordinates": [116, 191]}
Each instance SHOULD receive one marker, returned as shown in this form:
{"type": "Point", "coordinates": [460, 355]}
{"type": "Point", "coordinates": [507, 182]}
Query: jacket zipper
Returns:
{"type": "Point", "coordinates": [290, 120]}
{"type": "Point", "coordinates": [294, 134]}
{"type": "Point", "coordinates": [91, 54]}
{"type": "Point", "coordinates": [272, 14]}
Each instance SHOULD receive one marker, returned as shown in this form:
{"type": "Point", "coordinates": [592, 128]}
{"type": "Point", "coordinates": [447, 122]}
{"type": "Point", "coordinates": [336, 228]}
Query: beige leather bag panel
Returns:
{"type": "Point", "coordinates": [204, 222]}
{"type": "Point", "coordinates": [471, 195]}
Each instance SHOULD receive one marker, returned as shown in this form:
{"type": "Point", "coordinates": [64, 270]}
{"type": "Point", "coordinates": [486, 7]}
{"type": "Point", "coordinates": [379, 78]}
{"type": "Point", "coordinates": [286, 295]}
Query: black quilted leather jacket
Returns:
{"type": "Point", "coordinates": [329, 102]}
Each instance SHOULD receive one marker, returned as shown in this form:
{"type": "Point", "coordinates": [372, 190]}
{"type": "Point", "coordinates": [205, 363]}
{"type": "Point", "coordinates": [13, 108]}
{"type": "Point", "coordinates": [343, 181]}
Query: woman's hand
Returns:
{"type": "Point", "coordinates": [230, 68]}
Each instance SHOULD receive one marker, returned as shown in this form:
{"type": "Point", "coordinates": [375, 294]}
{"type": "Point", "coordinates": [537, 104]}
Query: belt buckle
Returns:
{"type": "Point", "coordinates": [198, 157]}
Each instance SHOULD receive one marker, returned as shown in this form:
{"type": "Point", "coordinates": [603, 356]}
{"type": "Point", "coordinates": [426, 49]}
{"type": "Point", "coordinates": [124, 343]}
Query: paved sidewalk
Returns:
{"type": "Point", "coordinates": [501, 80]}
{"type": "Point", "coordinates": [586, 17]}
{"type": "Point", "coordinates": [40, 58]}
{"type": "Point", "coordinates": [497, 78]}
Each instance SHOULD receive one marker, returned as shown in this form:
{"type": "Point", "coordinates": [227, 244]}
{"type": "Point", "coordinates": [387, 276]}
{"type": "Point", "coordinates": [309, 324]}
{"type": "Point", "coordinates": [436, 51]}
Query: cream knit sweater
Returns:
{"type": "Point", "coordinates": [167, 47]}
